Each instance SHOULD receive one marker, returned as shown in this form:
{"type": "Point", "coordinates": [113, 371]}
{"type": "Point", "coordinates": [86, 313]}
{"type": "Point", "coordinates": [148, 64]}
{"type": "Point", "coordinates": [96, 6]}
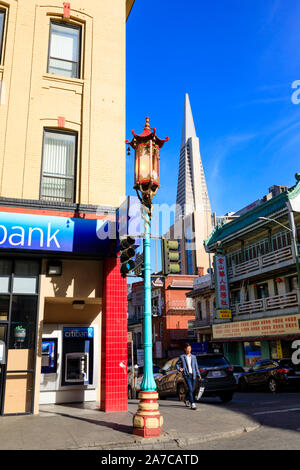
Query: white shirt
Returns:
{"type": "Point", "coordinates": [189, 361]}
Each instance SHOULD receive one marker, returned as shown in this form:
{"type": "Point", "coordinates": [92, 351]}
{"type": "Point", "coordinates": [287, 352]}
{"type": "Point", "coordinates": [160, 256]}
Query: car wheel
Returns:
{"type": "Point", "coordinates": [272, 385]}
{"type": "Point", "coordinates": [226, 397]}
{"type": "Point", "coordinates": [129, 393]}
{"type": "Point", "coordinates": [181, 392]}
{"type": "Point", "coordinates": [243, 386]}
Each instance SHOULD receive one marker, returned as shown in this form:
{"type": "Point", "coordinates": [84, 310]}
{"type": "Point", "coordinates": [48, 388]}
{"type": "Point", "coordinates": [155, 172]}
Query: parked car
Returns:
{"type": "Point", "coordinates": [216, 378]}
{"type": "Point", "coordinates": [238, 372]}
{"type": "Point", "coordinates": [271, 375]}
{"type": "Point", "coordinates": [138, 378]}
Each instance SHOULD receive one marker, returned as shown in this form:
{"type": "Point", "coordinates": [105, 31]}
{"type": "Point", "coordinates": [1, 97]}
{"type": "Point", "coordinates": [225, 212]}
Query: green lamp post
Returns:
{"type": "Point", "coordinates": [147, 422]}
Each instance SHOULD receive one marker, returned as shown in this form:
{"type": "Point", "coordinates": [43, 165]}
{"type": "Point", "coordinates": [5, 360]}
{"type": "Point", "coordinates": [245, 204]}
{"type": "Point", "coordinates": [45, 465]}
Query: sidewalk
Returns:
{"type": "Point", "coordinates": [78, 426]}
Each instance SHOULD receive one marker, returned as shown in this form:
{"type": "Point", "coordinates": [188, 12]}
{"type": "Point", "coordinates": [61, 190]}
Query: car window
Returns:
{"type": "Point", "coordinates": [174, 362]}
{"type": "Point", "coordinates": [258, 366]}
{"type": "Point", "coordinates": [168, 365]}
{"type": "Point", "coordinates": [265, 365]}
{"type": "Point", "coordinates": [211, 361]}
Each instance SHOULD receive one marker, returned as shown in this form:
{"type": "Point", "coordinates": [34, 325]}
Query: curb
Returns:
{"type": "Point", "coordinates": [167, 440]}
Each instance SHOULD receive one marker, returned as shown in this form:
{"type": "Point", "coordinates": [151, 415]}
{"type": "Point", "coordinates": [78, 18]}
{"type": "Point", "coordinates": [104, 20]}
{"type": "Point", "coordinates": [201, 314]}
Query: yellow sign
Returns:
{"type": "Point", "coordinates": [279, 349]}
{"type": "Point", "coordinates": [224, 314]}
{"type": "Point", "coordinates": [290, 324]}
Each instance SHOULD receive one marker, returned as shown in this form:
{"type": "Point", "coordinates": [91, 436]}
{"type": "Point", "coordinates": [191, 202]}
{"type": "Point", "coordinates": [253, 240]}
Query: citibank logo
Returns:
{"type": "Point", "coordinates": [78, 333]}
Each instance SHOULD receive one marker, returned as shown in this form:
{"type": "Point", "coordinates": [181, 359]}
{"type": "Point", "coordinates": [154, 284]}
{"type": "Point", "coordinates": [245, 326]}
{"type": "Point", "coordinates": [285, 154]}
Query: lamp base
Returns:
{"type": "Point", "coordinates": [148, 422]}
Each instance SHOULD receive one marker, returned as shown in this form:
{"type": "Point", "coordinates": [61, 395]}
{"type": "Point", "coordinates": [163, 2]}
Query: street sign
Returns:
{"type": "Point", "coordinates": [140, 357]}
{"type": "Point", "coordinates": [139, 261]}
{"type": "Point", "coordinates": [129, 336]}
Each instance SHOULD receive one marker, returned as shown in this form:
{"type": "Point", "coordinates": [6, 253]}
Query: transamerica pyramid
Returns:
{"type": "Point", "coordinates": [192, 192]}
{"type": "Point", "coordinates": [193, 210]}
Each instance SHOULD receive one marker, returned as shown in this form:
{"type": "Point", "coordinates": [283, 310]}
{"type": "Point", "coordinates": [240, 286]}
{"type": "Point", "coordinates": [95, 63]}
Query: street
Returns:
{"type": "Point", "coordinates": [278, 416]}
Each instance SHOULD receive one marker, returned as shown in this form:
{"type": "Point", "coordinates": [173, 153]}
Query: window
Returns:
{"type": "Point", "coordinates": [64, 50]}
{"type": "Point", "coordinates": [292, 283]}
{"type": "Point", "coordinates": [199, 311]}
{"type": "Point", "coordinates": [58, 175]}
{"type": "Point", "coordinates": [262, 291]}
{"type": "Point", "coordinates": [2, 23]}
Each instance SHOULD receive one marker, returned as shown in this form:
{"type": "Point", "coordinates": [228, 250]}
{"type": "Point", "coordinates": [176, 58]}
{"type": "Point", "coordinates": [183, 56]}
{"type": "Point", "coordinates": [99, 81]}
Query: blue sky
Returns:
{"type": "Point", "coordinates": [237, 60]}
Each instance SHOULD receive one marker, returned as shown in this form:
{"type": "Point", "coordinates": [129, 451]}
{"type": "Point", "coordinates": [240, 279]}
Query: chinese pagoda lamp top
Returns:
{"type": "Point", "coordinates": [146, 169]}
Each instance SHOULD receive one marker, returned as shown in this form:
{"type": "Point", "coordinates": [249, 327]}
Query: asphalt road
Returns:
{"type": "Point", "coordinates": [278, 415]}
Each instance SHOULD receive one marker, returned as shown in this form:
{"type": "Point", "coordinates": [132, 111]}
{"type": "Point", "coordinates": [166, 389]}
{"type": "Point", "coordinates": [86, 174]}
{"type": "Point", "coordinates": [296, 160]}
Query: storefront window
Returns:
{"type": "Point", "coordinates": [252, 352]}
{"type": "Point", "coordinates": [23, 322]}
{"type": "Point", "coordinates": [26, 277]}
{"type": "Point", "coordinates": [4, 307]}
{"type": "Point", "coordinates": [18, 308]}
{"type": "Point", "coordinates": [5, 271]}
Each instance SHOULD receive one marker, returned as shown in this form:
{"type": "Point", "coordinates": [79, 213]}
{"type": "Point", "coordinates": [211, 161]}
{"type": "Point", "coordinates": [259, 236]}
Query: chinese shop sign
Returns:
{"type": "Point", "coordinates": [222, 291]}
{"type": "Point", "coordinates": [276, 326]}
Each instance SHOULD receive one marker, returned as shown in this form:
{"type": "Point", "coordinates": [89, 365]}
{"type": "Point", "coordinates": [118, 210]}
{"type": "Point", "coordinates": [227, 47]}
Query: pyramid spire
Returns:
{"type": "Point", "coordinates": [188, 126]}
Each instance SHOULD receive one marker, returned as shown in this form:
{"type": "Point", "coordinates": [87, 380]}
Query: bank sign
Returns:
{"type": "Point", "coordinates": [59, 234]}
{"type": "Point", "coordinates": [78, 333]}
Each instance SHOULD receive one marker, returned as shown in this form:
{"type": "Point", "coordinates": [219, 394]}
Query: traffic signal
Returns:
{"type": "Point", "coordinates": [127, 252]}
{"type": "Point", "coordinates": [170, 257]}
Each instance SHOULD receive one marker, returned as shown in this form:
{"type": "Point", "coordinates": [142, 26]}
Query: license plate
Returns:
{"type": "Point", "coordinates": [217, 373]}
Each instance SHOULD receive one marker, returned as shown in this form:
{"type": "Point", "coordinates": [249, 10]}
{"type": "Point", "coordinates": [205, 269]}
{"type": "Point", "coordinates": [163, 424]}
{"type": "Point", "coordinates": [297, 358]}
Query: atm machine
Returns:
{"type": "Point", "coordinates": [78, 355]}
{"type": "Point", "coordinates": [69, 371]}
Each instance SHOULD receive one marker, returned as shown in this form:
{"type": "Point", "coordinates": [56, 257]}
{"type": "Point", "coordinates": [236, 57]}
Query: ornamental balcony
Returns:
{"type": "Point", "coordinates": [272, 261]}
{"type": "Point", "coordinates": [185, 304]}
{"type": "Point", "coordinates": [278, 304]}
{"type": "Point", "coordinates": [200, 324]}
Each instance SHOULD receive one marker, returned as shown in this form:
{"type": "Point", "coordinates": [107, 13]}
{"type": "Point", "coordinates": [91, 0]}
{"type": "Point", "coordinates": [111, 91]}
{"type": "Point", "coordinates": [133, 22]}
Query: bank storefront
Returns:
{"type": "Point", "coordinates": [247, 342]}
{"type": "Point", "coordinates": [54, 287]}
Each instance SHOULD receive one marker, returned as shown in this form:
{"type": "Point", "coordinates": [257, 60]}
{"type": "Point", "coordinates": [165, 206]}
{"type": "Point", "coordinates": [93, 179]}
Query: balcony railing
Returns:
{"type": "Point", "coordinates": [134, 319]}
{"type": "Point", "coordinates": [265, 261]}
{"type": "Point", "coordinates": [194, 324]}
{"type": "Point", "coordinates": [276, 302]}
{"type": "Point", "coordinates": [188, 304]}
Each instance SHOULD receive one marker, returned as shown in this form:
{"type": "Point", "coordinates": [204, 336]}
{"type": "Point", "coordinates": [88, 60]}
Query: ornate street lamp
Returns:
{"type": "Point", "coordinates": [147, 422]}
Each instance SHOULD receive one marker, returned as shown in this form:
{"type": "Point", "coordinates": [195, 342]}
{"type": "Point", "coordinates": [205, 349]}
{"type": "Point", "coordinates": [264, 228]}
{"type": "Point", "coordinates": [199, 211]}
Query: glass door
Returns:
{"type": "Point", "coordinates": [3, 329]}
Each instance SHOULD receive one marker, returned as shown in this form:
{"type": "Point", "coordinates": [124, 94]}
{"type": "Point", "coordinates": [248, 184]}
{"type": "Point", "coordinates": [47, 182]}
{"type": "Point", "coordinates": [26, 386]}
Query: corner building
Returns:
{"type": "Point", "coordinates": [62, 176]}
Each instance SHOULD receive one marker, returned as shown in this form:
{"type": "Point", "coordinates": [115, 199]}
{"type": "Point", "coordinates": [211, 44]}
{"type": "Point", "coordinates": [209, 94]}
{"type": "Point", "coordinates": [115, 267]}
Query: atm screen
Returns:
{"type": "Point", "coordinates": [49, 355]}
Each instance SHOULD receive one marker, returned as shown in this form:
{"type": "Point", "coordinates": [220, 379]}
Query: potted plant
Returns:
{"type": "Point", "coordinates": [20, 334]}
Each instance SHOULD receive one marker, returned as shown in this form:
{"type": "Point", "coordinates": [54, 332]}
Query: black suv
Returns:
{"type": "Point", "coordinates": [216, 378]}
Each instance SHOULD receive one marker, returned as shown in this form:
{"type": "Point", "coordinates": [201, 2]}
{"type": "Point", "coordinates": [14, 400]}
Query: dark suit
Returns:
{"type": "Point", "coordinates": [190, 377]}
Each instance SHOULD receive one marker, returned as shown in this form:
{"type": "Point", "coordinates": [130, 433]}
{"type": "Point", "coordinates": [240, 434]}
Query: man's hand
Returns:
{"type": "Point", "coordinates": [181, 369]}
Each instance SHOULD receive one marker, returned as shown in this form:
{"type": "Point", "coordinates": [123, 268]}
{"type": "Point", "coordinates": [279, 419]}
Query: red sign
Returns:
{"type": "Point", "coordinates": [222, 291]}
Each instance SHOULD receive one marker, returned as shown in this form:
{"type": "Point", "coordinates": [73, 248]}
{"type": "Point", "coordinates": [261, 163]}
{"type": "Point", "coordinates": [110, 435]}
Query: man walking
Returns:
{"type": "Point", "coordinates": [188, 366]}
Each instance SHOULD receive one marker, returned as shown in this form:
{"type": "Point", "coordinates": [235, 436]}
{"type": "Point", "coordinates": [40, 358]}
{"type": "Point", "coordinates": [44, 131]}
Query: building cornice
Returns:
{"type": "Point", "coordinates": [74, 210]}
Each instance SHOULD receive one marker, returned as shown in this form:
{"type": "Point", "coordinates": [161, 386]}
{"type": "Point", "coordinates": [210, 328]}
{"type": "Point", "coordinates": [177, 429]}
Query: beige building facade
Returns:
{"type": "Point", "coordinates": [62, 179]}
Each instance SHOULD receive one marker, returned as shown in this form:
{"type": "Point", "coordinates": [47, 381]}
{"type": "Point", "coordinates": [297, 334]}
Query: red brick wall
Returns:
{"type": "Point", "coordinates": [114, 339]}
{"type": "Point", "coordinates": [176, 320]}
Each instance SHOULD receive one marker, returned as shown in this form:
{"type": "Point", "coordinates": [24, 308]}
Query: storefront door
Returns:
{"type": "Point", "coordinates": [3, 336]}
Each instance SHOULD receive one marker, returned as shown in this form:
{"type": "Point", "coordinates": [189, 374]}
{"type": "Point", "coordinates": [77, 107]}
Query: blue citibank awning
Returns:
{"type": "Point", "coordinates": [43, 233]}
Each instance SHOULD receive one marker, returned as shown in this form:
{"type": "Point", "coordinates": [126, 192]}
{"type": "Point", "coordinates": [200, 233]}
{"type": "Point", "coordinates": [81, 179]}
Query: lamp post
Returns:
{"type": "Point", "coordinates": [147, 422]}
